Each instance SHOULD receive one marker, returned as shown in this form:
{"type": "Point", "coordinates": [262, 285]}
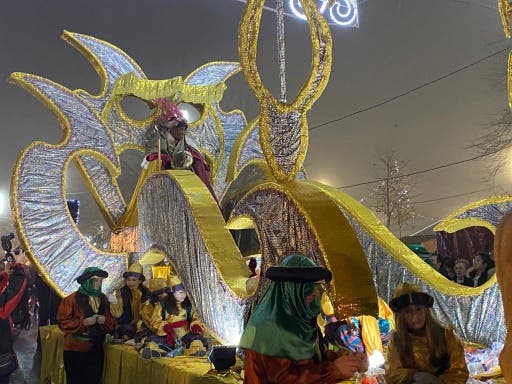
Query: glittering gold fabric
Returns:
{"type": "Point", "coordinates": [299, 217]}
{"type": "Point", "coordinates": [125, 240]}
{"type": "Point", "coordinates": [505, 13]}
{"type": "Point", "coordinates": [283, 126]}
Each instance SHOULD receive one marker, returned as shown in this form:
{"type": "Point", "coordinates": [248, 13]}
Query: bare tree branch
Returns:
{"type": "Point", "coordinates": [393, 196]}
{"type": "Point", "coordinates": [493, 143]}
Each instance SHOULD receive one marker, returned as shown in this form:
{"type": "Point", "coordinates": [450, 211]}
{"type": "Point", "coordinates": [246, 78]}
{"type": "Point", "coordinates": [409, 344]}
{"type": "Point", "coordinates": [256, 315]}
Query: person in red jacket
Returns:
{"type": "Point", "coordinates": [13, 282]}
{"type": "Point", "coordinates": [85, 318]}
{"type": "Point", "coordinates": [177, 149]}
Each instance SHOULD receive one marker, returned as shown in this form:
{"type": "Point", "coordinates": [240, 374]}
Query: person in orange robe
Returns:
{"type": "Point", "coordinates": [85, 318]}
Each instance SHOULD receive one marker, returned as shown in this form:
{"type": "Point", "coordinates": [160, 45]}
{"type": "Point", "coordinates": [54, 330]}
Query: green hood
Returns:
{"type": "Point", "coordinates": [282, 324]}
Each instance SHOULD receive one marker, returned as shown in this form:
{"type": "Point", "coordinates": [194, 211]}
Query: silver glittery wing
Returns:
{"type": "Point", "coordinates": [110, 62]}
{"type": "Point", "coordinates": [200, 248]}
{"type": "Point", "coordinates": [38, 189]}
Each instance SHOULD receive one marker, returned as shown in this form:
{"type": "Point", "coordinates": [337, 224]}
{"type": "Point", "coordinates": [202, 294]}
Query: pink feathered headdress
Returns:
{"type": "Point", "coordinates": [171, 114]}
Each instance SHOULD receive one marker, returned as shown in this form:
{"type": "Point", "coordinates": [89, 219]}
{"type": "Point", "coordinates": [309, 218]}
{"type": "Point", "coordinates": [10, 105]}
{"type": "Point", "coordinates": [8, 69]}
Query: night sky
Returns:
{"type": "Point", "coordinates": [399, 46]}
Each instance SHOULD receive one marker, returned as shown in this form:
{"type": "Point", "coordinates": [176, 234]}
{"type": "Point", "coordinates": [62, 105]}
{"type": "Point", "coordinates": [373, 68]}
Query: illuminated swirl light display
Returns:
{"type": "Point", "coordinates": [176, 212]}
{"type": "Point", "coordinates": [343, 12]}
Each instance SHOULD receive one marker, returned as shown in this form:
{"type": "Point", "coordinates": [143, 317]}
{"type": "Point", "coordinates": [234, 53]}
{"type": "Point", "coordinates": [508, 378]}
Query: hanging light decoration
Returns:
{"type": "Point", "coordinates": [342, 12]}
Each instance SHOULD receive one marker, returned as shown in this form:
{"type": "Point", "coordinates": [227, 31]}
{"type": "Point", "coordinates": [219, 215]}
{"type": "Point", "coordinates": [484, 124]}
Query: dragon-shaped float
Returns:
{"type": "Point", "coordinates": [257, 166]}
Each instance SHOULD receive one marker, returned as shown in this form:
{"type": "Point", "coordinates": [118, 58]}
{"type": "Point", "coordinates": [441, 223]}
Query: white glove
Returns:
{"type": "Point", "coordinates": [112, 298]}
{"type": "Point", "coordinates": [144, 163]}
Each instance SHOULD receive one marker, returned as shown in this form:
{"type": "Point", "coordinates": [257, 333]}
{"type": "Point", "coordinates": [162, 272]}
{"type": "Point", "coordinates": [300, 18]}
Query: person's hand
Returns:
{"type": "Point", "coordinates": [88, 321]}
{"type": "Point", "coordinates": [424, 378]}
{"type": "Point", "coordinates": [347, 365]}
{"type": "Point", "coordinates": [100, 319]}
{"type": "Point", "coordinates": [363, 361]}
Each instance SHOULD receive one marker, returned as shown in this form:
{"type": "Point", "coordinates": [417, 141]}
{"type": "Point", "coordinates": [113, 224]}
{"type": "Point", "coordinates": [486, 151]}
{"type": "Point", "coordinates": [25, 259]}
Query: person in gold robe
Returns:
{"type": "Point", "coordinates": [128, 300]}
{"type": "Point", "coordinates": [422, 351]}
{"type": "Point", "coordinates": [175, 318]}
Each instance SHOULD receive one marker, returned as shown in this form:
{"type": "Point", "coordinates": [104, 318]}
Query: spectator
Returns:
{"type": "Point", "coordinates": [460, 277]}
{"type": "Point", "coordinates": [482, 270]}
{"type": "Point", "coordinates": [13, 282]}
{"type": "Point", "coordinates": [441, 265]}
{"type": "Point", "coordinates": [48, 301]}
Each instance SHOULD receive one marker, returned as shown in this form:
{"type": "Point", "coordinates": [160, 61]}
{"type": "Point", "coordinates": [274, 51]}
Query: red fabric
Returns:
{"type": "Point", "coordinates": [169, 330]}
{"type": "Point", "coordinates": [252, 266]}
{"type": "Point", "coordinates": [4, 276]}
{"type": "Point", "coordinates": [178, 324]}
{"type": "Point", "coordinates": [10, 305]}
{"type": "Point", "coordinates": [196, 329]}
{"type": "Point", "coordinates": [201, 169]}
{"type": "Point", "coordinates": [166, 159]}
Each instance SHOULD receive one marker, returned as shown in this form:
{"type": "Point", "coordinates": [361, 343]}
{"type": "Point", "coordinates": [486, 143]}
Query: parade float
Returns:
{"type": "Point", "coordinates": [257, 173]}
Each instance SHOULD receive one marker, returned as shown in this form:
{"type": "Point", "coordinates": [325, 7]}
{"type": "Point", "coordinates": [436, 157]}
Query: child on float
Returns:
{"type": "Point", "coordinates": [421, 350]}
{"type": "Point", "coordinates": [176, 318]}
{"type": "Point", "coordinates": [128, 300]}
{"type": "Point", "coordinates": [170, 319]}
{"type": "Point", "coordinates": [357, 334]}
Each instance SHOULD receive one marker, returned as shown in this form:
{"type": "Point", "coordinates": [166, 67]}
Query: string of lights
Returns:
{"type": "Point", "coordinates": [343, 13]}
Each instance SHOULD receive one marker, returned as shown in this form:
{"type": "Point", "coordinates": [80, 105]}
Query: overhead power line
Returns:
{"type": "Point", "coordinates": [452, 196]}
{"type": "Point", "coordinates": [409, 91]}
{"type": "Point", "coordinates": [417, 172]}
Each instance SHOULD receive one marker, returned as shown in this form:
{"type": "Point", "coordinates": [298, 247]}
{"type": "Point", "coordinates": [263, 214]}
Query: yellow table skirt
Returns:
{"type": "Point", "coordinates": [123, 365]}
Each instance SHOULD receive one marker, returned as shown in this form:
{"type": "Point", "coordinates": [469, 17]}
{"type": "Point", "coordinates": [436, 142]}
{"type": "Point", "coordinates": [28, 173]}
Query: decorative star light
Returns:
{"type": "Point", "coordinates": [342, 12]}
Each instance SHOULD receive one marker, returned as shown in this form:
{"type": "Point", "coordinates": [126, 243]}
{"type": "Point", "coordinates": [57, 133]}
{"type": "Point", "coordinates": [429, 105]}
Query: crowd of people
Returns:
{"type": "Point", "coordinates": [464, 272]}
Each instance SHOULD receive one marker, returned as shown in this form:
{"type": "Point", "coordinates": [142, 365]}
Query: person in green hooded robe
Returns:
{"type": "Point", "coordinates": [280, 340]}
{"type": "Point", "coordinates": [85, 318]}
